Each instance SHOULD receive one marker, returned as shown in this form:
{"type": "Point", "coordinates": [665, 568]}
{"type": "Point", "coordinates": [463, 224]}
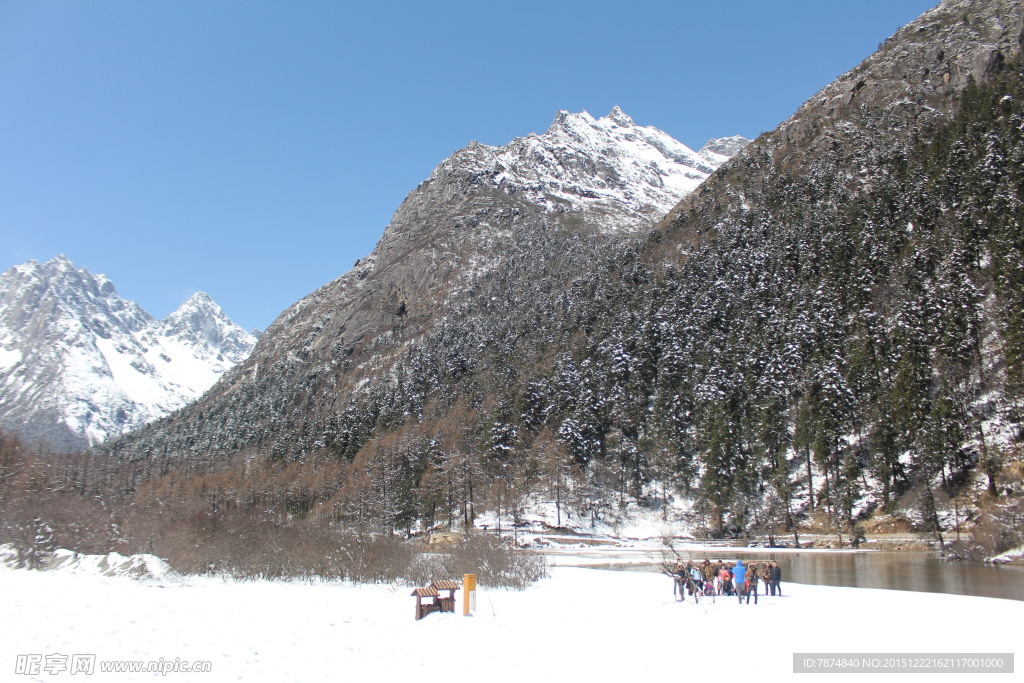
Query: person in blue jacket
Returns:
{"type": "Point", "coordinates": [739, 577]}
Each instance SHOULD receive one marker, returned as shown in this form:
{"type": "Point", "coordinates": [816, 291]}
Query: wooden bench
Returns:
{"type": "Point", "coordinates": [447, 602]}
{"type": "Point", "coordinates": [438, 603]}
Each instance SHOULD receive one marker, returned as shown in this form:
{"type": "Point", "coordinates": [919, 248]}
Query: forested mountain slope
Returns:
{"type": "Point", "coordinates": [832, 320]}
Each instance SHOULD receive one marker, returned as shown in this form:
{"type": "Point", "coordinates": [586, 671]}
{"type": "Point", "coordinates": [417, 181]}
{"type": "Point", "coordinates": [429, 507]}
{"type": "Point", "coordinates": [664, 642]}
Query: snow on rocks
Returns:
{"type": "Point", "coordinates": [582, 164]}
{"type": "Point", "coordinates": [1016, 555]}
{"type": "Point", "coordinates": [79, 364]}
{"type": "Point", "coordinates": [143, 567]}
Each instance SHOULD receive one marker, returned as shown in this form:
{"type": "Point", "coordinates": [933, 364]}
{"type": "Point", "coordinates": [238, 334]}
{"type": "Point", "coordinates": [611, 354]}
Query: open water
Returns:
{"type": "Point", "coordinates": [912, 571]}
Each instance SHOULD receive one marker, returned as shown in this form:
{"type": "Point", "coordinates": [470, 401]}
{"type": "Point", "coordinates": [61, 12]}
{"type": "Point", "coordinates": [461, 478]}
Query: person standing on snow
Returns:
{"type": "Point", "coordinates": [752, 578]}
{"type": "Point", "coordinates": [775, 576]}
{"type": "Point", "coordinates": [678, 582]}
{"type": "Point", "coordinates": [697, 575]}
{"type": "Point", "coordinates": [739, 578]}
{"type": "Point", "coordinates": [709, 571]}
{"type": "Point", "coordinates": [721, 579]}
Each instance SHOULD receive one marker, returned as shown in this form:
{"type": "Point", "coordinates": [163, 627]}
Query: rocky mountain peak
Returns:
{"type": "Point", "coordinates": [726, 147]}
{"type": "Point", "coordinates": [80, 298]}
{"type": "Point", "coordinates": [620, 118]}
{"type": "Point", "coordinates": [79, 363]}
{"type": "Point", "coordinates": [570, 121]}
{"type": "Point", "coordinates": [58, 264]}
{"type": "Point", "coordinates": [627, 174]}
{"type": "Point", "coordinates": [201, 321]}
{"type": "Point", "coordinates": [201, 300]}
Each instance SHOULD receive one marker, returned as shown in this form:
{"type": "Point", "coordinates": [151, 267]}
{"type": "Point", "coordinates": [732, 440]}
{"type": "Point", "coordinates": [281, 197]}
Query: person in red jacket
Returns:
{"type": "Point", "coordinates": [725, 580]}
{"type": "Point", "coordinates": [721, 579]}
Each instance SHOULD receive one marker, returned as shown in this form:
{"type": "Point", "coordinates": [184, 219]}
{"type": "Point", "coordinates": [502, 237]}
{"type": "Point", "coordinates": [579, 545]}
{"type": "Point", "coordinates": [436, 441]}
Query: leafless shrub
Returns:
{"type": "Point", "coordinates": [250, 546]}
{"type": "Point", "coordinates": [36, 522]}
{"type": "Point", "coordinates": [1000, 526]}
{"type": "Point", "coordinates": [495, 562]}
{"type": "Point", "coordinates": [27, 533]}
{"type": "Point", "coordinates": [211, 530]}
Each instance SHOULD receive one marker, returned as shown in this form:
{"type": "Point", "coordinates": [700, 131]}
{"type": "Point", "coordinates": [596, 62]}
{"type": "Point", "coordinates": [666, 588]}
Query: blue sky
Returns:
{"type": "Point", "coordinates": [254, 150]}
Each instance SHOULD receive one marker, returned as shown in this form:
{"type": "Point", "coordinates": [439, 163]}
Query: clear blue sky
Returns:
{"type": "Point", "coordinates": [255, 149]}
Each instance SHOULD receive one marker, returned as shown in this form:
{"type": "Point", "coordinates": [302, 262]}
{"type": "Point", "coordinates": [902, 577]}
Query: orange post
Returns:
{"type": "Point", "coordinates": [468, 594]}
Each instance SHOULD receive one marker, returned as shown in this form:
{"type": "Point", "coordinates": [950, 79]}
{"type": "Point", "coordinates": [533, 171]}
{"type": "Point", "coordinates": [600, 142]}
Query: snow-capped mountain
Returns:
{"type": "Point", "coordinates": [587, 176]}
{"type": "Point", "coordinates": [80, 364]}
{"type": "Point", "coordinates": [502, 217]}
{"type": "Point", "coordinates": [627, 173]}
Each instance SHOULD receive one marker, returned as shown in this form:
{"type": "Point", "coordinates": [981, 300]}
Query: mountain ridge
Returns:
{"type": "Point", "coordinates": [81, 364]}
{"type": "Point", "coordinates": [475, 194]}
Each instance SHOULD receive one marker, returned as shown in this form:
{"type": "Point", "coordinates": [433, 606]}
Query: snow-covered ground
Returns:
{"type": "Point", "coordinates": [1015, 555]}
{"type": "Point", "coordinates": [579, 625]}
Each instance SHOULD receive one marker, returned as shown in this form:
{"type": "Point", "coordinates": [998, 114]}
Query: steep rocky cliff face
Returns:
{"type": "Point", "coordinates": [593, 177]}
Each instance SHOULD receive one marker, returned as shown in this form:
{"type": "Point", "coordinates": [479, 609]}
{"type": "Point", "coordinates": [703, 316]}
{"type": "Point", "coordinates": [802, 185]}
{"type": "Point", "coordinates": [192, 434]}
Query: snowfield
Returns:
{"type": "Point", "coordinates": [580, 625]}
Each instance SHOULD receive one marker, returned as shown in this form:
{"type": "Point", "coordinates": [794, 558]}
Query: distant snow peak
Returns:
{"type": "Point", "coordinates": [199, 309]}
{"type": "Point", "coordinates": [201, 300]}
{"type": "Point", "coordinates": [203, 323]}
{"type": "Point", "coordinates": [59, 262]}
{"type": "Point", "coordinates": [620, 118]}
{"type": "Point", "coordinates": [616, 117]}
{"type": "Point", "coordinates": [79, 364]}
{"type": "Point", "coordinates": [726, 147]}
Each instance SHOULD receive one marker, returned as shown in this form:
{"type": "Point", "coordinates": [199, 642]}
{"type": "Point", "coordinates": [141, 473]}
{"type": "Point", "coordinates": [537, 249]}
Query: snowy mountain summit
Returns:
{"type": "Point", "coordinates": [202, 325]}
{"type": "Point", "coordinates": [584, 176]}
{"type": "Point", "coordinates": [629, 174]}
{"type": "Point", "coordinates": [79, 364]}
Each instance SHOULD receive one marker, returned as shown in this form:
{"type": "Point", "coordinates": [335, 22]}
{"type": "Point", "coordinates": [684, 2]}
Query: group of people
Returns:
{"type": "Point", "coordinates": [726, 578]}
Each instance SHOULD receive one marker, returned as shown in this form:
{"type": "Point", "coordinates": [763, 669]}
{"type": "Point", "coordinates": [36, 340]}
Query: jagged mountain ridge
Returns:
{"type": "Point", "coordinates": [589, 176]}
{"type": "Point", "coordinates": [611, 166]}
{"type": "Point", "coordinates": [79, 364]}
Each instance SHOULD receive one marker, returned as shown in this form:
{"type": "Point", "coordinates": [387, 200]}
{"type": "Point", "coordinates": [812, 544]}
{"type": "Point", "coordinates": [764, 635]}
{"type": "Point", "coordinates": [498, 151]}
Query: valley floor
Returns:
{"type": "Point", "coordinates": [580, 624]}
